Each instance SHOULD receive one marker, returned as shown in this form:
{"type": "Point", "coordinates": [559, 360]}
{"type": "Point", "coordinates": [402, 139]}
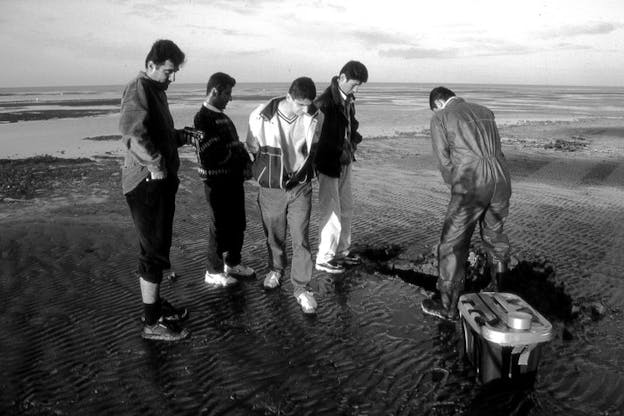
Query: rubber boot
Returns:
{"type": "Point", "coordinates": [444, 306]}
{"type": "Point", "coordinates": [499, 277]}
{"type": "Point", "coordinates": [449, 302]}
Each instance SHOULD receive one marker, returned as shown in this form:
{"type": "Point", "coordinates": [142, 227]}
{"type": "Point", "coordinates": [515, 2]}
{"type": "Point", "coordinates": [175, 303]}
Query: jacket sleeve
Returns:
{"type": "Point", "coordinates": [133, 120]}
{"type": "Point", "coordinates": [320, 117]}
{"type": "Point", "coordinates": [441, 149]}
{"type": "Point", "coordinates": [251, 141]}
{"type": "Point", "coordinates": [356, 137]}
{"type": "Point", "coordinates": [183, 138]}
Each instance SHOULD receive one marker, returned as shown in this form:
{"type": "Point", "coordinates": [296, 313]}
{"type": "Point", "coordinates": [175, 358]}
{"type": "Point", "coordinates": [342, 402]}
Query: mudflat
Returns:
{"type": "Point", "coordinates": [71, 303]}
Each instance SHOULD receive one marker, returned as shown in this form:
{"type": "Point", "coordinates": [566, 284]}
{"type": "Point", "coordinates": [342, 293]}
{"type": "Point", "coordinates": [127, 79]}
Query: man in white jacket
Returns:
{"type": "Point", "coordinates": [281, 139]}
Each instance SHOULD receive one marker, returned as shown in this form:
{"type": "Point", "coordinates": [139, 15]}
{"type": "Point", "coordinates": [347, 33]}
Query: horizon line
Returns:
{"type": "Point", "coordinates": [368, 83]}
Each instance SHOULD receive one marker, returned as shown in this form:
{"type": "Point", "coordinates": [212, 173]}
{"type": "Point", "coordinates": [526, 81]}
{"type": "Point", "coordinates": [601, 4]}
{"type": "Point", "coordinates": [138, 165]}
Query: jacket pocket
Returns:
{"type": "Point", "coordinates": [267, 168]}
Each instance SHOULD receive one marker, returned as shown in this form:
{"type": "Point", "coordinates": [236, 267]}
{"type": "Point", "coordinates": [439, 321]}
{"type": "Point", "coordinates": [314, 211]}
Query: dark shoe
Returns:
{"type": "Point", "coordinates": [434, 307]}
{"type": "Point", "coordinates": [330, 266]}
{"type": "Point", "coordinates": [164, 331]}
{"type": "Point", "coordinates": [350, 259]}
{"type": "Point", "coordinates": [171, 314]}
{"type": "Point", "coordinates": [239, 270]}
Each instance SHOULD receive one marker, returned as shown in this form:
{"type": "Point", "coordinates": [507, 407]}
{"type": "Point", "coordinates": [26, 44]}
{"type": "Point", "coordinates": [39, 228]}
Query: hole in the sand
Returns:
{"type": "Point", "coordinates": [532, 280]}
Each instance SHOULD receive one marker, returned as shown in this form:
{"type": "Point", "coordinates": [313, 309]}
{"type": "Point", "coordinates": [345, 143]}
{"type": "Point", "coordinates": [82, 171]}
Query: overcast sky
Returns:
{"type": "Point", "coordinates": [86, 42]}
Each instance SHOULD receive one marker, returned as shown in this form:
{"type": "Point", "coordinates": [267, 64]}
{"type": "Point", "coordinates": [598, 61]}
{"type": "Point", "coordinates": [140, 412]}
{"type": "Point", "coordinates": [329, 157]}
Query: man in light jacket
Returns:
{"type": "Point", "coordinates": [467, 146]}
{"type": "Point", "coordinates": [282, 137]}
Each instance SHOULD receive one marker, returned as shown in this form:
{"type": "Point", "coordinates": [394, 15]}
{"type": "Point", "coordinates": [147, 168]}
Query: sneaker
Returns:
{"type": "Point", "coordinates": [435, 308]}
{"type": "Point", "coordinates": [350, 259]}
{"type": "Point", "coordinates": [307, 302]}
{"type": "Point", "coordinates": [171, 314]}
{"type": "Point", "coordinates": [330, 266]}
{"type": "Point", "coordinates": [164, 331]}
{"type": "Point", "coordinates": [219, 279]}
{"type": "Point", "coordinates": [272, 279]}
{"type": "Point", "coordinates": [239, 270]}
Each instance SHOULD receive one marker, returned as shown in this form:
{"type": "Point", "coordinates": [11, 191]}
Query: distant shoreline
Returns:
{"type": "Point", "coordinates": [317, 81]}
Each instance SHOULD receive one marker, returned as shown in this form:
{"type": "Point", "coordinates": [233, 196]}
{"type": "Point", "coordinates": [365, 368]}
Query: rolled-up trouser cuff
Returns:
{"type": "Point", "coordinates": [298, 289]}
{"type": "Point", "coordinates": [152, 277]}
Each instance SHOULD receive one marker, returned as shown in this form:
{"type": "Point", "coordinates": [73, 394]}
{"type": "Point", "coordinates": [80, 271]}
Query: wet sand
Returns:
{"type": "Point", "coordinates": [71, 304]}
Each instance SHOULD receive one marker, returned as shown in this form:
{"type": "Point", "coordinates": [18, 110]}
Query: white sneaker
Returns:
{"type": "Point", "coordinates": [219, 279]}
{"type": "Point", "coordinates": [239, 270]}
{"type": "Point", "coordinates": [307, 302]}
{"type": "Point", "coordinates": [272, 280]}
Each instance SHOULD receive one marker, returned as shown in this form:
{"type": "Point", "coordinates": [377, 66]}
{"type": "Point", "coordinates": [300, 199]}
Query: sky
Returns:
{"type": "Point", "coordinates": [102, 42]}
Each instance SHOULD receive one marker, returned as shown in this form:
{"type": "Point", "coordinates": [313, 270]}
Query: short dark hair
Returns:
{"type": "Point", "coordinates": [164, 49]}
{"type": "Point", "coordinates": [220, 81]}
{"type": "Point", "coordinates": [355, 70]}
{"type": "Point", "coordinates": [303, 88]}
{"type": "Point", "coordinates": [439, 93]}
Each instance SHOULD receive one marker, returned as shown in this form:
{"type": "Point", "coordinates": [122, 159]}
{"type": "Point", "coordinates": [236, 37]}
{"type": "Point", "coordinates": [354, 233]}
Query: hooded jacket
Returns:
{"type": "Point", "coordinates": [264, 144]}
{"type": "Point", "coordinates": [148, 134]}
{"type": "Point", "coordinates": [467, 145]}
{"type": "Point", "coordinates": [332, 139]}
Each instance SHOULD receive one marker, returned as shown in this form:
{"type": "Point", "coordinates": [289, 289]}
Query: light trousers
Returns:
{"type": "Point", "coordinates": [336, 214]}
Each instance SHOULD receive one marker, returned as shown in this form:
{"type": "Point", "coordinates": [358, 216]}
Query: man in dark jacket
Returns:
{"type": "Point", "coordinates": [150, 181]}
{"type": "Point", "coordinates": [467, 145]}
{"type": "Point", "coordinates": [336, 150]}
{"type": "Point", "coordinates": [223, 160]}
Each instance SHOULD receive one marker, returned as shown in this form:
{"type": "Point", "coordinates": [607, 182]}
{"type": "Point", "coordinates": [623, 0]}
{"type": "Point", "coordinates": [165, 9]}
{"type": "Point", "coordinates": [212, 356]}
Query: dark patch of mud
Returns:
{"type": "Point", "coordinates": [573, 144]}
{"type": "Point", "coordinates": [33, 115]}
{"type": "Point", "coordinates": [112, 137]}
{"type": "Point", "coordinates": [65, 103]}
{"type": "Point", "coordinates": [23, 179]}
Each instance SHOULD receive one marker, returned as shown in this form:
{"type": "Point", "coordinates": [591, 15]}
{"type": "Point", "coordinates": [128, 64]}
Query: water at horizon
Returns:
{"type": "Point", "coordinates": [384, 109]}
{"type": "Point", "coordinates": [509, 102]}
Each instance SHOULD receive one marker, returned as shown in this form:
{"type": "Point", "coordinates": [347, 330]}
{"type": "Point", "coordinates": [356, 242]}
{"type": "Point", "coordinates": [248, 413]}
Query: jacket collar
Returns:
{"type": "Point", "coordinates": [453, 100]}
{"type": "Point", "coordinates": [336, 93]}
{"type": "Point", "coordinates": [269, 111]}
{"type": "Point", "coordinates": [157, 85]}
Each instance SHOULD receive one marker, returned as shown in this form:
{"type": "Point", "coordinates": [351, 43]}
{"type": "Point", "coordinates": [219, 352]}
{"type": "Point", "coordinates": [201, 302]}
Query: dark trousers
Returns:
{"type": "Point", "coordinates": [152, 205]}
{"type": "Point", "coordinates": [463, 214]}
{"type": "Point", "coordinates": [226, 223]}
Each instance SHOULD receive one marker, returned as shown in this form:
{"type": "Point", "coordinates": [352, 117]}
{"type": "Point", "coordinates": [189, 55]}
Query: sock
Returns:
{"type": "Point", "coordinates": [152, 312]}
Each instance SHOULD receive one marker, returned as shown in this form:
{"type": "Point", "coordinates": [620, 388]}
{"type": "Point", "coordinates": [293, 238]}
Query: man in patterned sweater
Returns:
{"type": "Point", "coordinates": [223, 160]}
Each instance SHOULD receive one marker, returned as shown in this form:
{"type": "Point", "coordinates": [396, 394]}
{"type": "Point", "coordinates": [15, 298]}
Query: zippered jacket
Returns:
{"type": "Point", "coordinates": [467, 145]}
{"type": "Point", "coordinates": [148, 135]}
{"type": "Point", "coordinates": [340, 129]}
{"type": "Point", "coordinates": [265, 146]}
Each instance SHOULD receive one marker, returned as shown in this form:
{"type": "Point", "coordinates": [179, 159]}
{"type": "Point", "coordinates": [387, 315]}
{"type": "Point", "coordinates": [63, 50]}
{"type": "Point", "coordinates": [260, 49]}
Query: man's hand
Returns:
{"type": "Point", "coordinates": [156, 176]}
{"type": "Point", "coordinates": [192, 136]}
